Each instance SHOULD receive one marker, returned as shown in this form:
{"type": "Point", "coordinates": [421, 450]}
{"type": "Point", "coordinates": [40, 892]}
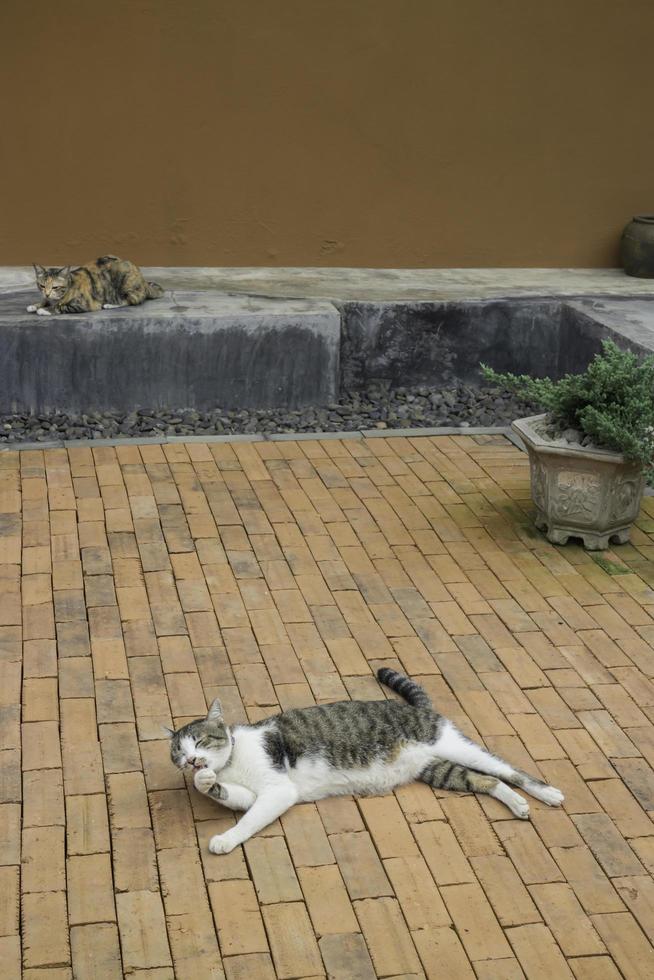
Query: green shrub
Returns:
{"type": "Point", "coordinates": [612, 401]}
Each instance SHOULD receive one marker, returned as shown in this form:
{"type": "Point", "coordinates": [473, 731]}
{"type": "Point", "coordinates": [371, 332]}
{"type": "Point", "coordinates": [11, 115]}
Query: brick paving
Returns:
{"type": "Point", "coordinates": [138, 582]}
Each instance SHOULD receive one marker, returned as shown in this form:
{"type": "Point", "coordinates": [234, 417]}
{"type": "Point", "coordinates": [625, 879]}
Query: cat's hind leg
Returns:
{"type": "Point", "coordinates": [455, 747]}
{"type": "Point", "coordinates": [517, 804]}
{"type": "Point", "coordinates": [449, 775]}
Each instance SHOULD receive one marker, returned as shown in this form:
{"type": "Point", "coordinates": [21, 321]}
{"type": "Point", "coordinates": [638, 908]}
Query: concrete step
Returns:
{"type": "Point", "coordinates": [285, 338]}
{"type": "Point", "coordinates": [624, 320]}
{"type": "Point", "coordinates": [187, 349]}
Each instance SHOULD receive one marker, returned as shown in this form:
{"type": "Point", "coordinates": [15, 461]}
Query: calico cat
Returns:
{"type": "Point", "coordinates": [105, 284]}
{"type": "Point", "coordinates": [362, 747]}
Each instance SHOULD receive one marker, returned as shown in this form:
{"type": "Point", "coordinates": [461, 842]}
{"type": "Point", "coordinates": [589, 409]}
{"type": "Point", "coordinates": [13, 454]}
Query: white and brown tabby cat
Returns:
{"type": "Point", "coordinates": [105, 284]}
{"type": "Point", "coordinates": [363, 747]}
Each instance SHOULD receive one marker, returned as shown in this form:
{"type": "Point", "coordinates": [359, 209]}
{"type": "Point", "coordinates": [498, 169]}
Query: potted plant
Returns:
{"type": "Point", "coordinates": [592, 451]}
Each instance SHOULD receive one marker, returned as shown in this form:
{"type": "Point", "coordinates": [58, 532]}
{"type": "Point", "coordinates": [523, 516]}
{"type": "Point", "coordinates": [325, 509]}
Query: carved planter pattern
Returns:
{"type": "Point", "coordinates": [579, 492]}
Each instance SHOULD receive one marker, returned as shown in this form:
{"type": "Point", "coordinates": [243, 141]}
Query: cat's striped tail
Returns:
{"type": "Point", "coordinates": [407, 688]}
{"type": "Point", "coordinates": [154, 290]}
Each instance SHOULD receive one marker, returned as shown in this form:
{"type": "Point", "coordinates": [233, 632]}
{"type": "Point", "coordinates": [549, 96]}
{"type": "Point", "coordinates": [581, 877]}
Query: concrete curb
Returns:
{"type": "Point", "coordinates": [306, 436]}
{"type": "Point", "coordinates": [447, 430]}
{"type": "Point", "coordinates": [515, 439]}
{"type": "Point", "coordinates": [234, 437]}
{"type": "Point", "coordinates": [443, 430]}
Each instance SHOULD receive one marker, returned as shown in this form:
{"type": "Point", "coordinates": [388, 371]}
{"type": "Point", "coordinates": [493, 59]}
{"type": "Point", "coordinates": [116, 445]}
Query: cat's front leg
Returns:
{"type": "Point", "coordinates": [268, 807]}
{"type": "Point", "coordinates": [35, 307]}
{"type": "Point", "coordinates": [43, 311]}
{"type": "Point", "coordinates": [205, 780]}
{"type": "Point", "coordinates": [229, 794]}
{"type": "Point", "coordinates": [232, 796]}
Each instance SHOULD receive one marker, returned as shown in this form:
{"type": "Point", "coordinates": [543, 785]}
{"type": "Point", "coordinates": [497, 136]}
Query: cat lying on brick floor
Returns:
{"type": "Point", "coordinates": [360, 747]}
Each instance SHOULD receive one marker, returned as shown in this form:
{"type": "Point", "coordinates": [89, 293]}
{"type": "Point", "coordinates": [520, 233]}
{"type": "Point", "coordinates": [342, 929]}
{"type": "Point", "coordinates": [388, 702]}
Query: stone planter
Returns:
{"type": "Point", "coordinates": [579, 492]}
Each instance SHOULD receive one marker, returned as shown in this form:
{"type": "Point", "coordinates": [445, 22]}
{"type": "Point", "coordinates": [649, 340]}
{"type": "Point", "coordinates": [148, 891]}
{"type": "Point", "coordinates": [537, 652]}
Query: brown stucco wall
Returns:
{"type": "Point", "coordinates": [325, 132]}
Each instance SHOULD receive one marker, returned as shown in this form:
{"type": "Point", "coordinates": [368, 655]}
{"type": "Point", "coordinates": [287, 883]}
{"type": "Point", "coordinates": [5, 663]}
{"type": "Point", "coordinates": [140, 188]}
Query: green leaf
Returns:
{"type": "Point", "coordinates": [612, 401]}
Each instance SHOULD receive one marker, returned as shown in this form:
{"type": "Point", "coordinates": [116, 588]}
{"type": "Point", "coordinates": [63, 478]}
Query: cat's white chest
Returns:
{"type": "Point", "coordinates": [249, 764]}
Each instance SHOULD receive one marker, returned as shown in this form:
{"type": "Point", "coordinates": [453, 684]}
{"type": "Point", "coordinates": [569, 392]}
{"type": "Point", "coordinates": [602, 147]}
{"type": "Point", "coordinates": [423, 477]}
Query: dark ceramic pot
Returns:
{"type": "Point", "coordinates": [637, 247]}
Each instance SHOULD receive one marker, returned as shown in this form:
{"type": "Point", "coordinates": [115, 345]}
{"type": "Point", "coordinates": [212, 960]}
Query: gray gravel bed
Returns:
{"type": "Point", "coordinates": [376, 407]}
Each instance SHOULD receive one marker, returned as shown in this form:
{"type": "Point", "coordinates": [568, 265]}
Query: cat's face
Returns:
{"type": "Point", "coordinates": [202, 743]}
{"type": "Point", "coordinates": [52, 281]}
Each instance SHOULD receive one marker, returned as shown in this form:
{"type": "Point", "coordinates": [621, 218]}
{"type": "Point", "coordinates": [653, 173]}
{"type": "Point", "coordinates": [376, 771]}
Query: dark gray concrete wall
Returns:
{"type": "Point", "coordinates": [176, 352]}
{"type": "Point", "coordinates": [210, 349]}
{"type": "Point", "coordinates": [430, 343]}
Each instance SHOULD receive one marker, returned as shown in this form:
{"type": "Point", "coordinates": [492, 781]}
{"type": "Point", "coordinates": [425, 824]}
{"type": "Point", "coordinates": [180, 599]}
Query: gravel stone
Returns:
{"type": "Point", "coordinates": [377, 406]}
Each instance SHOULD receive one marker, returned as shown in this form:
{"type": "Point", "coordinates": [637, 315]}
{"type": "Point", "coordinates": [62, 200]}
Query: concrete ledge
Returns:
{"type": "Point", "coordinates": [407, 285]}
{"type": "Point", "coordinates": [382, 285]}
{"type": "Point", "coordinates": [626, 320]}
{"type": "Point", "coordinates": [286, 338]}
{"type": "Point", "coordinates": [186, 350]}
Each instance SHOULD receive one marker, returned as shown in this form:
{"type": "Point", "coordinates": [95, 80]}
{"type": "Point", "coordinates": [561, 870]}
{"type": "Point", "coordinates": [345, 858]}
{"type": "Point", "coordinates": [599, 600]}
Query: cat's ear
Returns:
{"type": "Point", "coordinates": [168, 732]}
{"type": "Point", "coordinates": [65, 271]}
{"type": "Point", "coordinates": [215, 711]}
{"type": "Point", "coordinates": [39, 271]}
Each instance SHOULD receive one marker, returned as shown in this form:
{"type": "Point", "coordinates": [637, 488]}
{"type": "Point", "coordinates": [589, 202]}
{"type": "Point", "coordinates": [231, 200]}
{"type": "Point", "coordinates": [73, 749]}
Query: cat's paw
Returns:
{"type": "Point", "coordinates": [32, 308]}
{"type": "Point", "coordinates": [222, 843]}
{"type": "Point", "coordinates": [521, 810]}
{"type": "Point", "coordinates": [204, 779]}
{"type": "Point", "coordinates": [552, 796]}
{"type": "Point", "coordinates": [43, 312]}
{"type": "Point", "coordinates": [548, 794]}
